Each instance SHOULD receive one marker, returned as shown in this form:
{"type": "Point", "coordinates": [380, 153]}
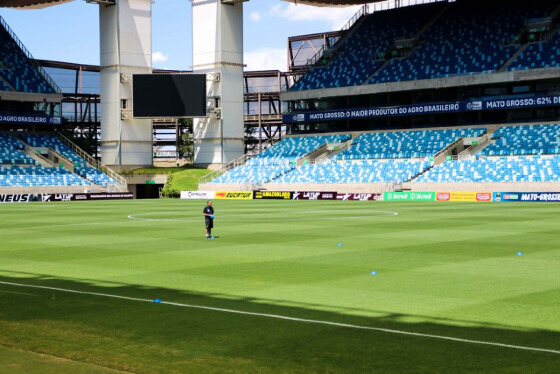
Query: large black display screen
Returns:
{"type": "Point", "coordinates": [169, 95]}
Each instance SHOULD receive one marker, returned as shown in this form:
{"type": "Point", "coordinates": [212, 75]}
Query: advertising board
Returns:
{"type": "Point", "coordinates": [272, 195]}
{"type": "Point", "coordinates": [87, 196]}
{"type": "Point", "coordinates": [527, 196]}
{"type": "Point", "coordinates": [198, 195]}
{"type": "Point", "coordinates": [358, 196]}
{"type": "Point", "coordinates": [234, 195]}
{"type": "Point", "coordinates": [313, 195]}
{"type": "Point", "coordinates": [409, 196]}
{"type": "Point", "coordinates": [464, 196]}
{"type": "Point", "coordinates": [20, 198]}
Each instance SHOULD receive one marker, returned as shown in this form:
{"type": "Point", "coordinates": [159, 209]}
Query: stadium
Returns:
{"type": "Point", "coordinates": [386, 204]}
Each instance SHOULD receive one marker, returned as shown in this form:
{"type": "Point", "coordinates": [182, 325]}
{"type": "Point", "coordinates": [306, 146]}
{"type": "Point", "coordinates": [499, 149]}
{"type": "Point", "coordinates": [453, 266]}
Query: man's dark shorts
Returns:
{"type": "Point", "coordinates": [209, 223]}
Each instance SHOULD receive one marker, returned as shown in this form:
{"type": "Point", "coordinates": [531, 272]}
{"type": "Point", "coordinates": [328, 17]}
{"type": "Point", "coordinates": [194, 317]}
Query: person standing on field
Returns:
{"type": "Point", "coordinates": [208, 213]}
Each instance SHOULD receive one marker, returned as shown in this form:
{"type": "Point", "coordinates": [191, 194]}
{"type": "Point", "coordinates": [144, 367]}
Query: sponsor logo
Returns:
{"type": "Point", "coordinates": [63, 196]}
{"type": "Point", "coordinates": [198, 194]}
{"type": "Point", "coordinates": [279, 195]}
{"type": "Point", "coordinates": [443, 196]}
{"type": "Point", "coordinates": [311, 195]}
{"type": "Point", "coordinates": [234, 195]}
{"type": "Point", "coordinates": [299, 117]}
{"type": "Point", "coordinates": [483, 196]}
{"type": "Point", "coordinates": [19, 198]}
{"type": "Point", "coordinates": [358, 196]}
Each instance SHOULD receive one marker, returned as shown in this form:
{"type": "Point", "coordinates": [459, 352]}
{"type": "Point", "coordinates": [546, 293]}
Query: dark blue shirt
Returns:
{"type": "Point", "coordinates": [208, 210]}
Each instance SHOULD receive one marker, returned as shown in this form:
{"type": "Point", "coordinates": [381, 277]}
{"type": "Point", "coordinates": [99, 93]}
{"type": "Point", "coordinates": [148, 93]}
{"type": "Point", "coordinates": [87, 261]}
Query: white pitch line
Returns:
{"type": "Point", "coordinates": [295, 319]}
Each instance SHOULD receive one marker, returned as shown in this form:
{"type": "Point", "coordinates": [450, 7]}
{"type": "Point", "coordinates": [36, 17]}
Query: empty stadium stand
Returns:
{"type": "Point", "coordinates": [524, 140]}
{"type": "Point", "coordinates": [39, 176]}
{"type": "Point", "coordinates": [437, 40]}
{"type": "Point", "coordinates": [11, 152]}
{"type": "Point", "coordinates": [81, 166]}
{"type": "Point", "coordinates": [22, 164]}
{"type": "Point", "coordinates": [367, 171]}
{"type": "Point", "coordinates": [363, 52]}
{"type": "Point", "coordinates": [404, 144]}
{"type": "Point", "coordinates": [18, 72]}
{"type": "Point", "coordinates": [495, 169]}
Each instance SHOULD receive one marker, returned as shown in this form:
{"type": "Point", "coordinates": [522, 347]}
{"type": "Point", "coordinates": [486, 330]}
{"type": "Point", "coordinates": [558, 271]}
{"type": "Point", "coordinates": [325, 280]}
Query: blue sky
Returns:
{"type": "Point", "coordinates": [70, 32]}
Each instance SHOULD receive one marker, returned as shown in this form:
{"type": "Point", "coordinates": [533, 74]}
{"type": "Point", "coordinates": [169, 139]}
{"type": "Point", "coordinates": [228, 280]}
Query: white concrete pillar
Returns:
{"type": "Point", "coordinates": [126, 49]}
{"type": "Point", "coordinates": [218, 48]}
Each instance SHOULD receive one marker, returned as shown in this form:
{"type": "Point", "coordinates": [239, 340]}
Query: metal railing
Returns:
{"type": "Point", "coordinates": [369, 9]}
{"type": "Point", "coordinates": [33, 62]}
{"type": "Point", "coordinates": [347, 26]}
{"type": "Point", "coordinates": [121, 181]}
{"type": "Point", "coordinates": [233, 164]}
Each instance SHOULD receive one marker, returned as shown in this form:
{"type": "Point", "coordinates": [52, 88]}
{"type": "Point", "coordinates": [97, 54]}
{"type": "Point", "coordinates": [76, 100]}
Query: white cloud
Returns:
{"type": "Point", "coordinates": [266, 59]}
{"type": "Point", "coordinates": [335, 16]}
{"type": "Point", "coordinates": [159, 57]}
{"type": "Point", "coordinates": [255, 16]}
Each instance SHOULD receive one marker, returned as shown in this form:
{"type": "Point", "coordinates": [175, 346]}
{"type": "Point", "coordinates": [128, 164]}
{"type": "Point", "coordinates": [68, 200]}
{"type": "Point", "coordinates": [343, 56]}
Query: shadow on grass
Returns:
{"type": "Point", "coordinates": [143, 336]}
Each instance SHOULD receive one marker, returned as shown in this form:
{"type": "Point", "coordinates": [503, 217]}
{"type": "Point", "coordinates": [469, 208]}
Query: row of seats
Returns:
{"type": "Point", "coordinates": [469, 37]}
{"type": "Point", "coordinates": [404, 144]}
{"type": "Point", "coordinates": [81, 166]}
{"type": "Point", "coordinates": [11, 151]}
{"type": "Point", "coordinates": [289, 149]}
{"type": "Point", "coordinates": [18, 70]}
{"type": "Point", "coordinates": [370, 171]}
{"type": "Point", "coordinates": [256, 174]}
{"type": "Point", "coordinates": [495, 169]}
{"type": "Point", "coordinates": [539, 55]}
{"type": "Point", "coordinates": [38, 176]}
{"type": "Point", "coordinates": [524, 140]}
{"type": "Point", "coordinates": [358, 58]}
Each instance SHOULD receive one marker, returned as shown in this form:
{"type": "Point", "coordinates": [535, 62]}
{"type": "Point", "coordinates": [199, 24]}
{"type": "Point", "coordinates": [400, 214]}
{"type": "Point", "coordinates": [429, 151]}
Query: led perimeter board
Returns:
{"type": "Point", "coordinates": [168, 95]}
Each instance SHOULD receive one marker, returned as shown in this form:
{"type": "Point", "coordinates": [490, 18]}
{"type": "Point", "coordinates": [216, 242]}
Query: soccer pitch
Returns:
{"type": "Point", "coordinates": [288, 286]}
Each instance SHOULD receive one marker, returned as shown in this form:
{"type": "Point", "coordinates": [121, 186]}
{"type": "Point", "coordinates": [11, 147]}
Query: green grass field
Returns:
{"type": "Point", "coordinates": [276, 293]}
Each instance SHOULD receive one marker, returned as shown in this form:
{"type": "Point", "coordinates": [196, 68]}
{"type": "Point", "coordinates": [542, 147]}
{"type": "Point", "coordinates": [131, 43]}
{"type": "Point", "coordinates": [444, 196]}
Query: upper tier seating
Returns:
{"type": "Point", "coordinates": [469, 38]}
{"type": "Point", "coordinates": [39, 177]}
{"type": "Point", "coordinates": [17, 68]}
{"type": "Point", "coordinates": [81, 167]}
{"type": "Point", "coordinates": [3, 85]}
{"type": "Point", "coordinates": [11, 151]}
{"type": "Point", "coordinates": [539, 55]}
{"type": "Point", "coordinates": [525, 140]}
{"type": "Point", "coordinates": [358, 60]}
{"type": "Point", "coordinates": [516, 169]}
{"type": "Point", "coordinates": [370, 171]}
{"type": "Point", "coordinates": [404, 144]}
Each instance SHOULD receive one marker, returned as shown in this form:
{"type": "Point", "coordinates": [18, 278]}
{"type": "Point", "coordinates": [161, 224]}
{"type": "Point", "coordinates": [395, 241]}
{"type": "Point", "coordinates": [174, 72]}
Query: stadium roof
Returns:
{"type": "Point", "coordinates": [36, 4]}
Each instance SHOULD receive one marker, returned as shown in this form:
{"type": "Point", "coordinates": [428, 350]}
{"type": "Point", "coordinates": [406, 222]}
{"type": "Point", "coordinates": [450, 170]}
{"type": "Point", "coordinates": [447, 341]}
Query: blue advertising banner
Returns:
{"type": "Point", "coordinates": [29, 119]}
{"type": "Point", "coordinates": [513, 102]}
{"type": "Point", "coordinates": [526, 196]}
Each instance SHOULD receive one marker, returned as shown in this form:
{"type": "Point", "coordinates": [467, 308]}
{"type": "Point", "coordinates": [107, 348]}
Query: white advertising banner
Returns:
{"type": "Point", "coordinates": [198, 195]}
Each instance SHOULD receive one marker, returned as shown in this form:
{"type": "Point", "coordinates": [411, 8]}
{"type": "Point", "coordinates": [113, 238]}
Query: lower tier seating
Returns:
{"type": "Point", "coordinates": [496, 169]}
{"type": "Point", "coordinates": [37, 176]}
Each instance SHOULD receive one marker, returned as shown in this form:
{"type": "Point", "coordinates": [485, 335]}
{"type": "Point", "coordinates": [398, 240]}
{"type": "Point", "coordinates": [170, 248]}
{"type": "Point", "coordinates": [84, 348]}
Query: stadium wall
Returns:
{"type": "Point", "coordinates": [326, 187]}
{"type": "Point", "coordinates": [383, 187]}
{"type": "Point", "coordinates": [51, 189]}
{"type": "Point", "coordinates": [484, 187]}
{"type": "Point", "coordinates": [426, 84]}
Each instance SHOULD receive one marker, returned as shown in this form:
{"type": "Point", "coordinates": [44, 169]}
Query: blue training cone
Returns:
{"type": "Point", "coordinates": [157, 301]}
{"type": "Point", "coordinates": [373, 272]}
{"type": "Point", "coordinates": [520, 253]}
